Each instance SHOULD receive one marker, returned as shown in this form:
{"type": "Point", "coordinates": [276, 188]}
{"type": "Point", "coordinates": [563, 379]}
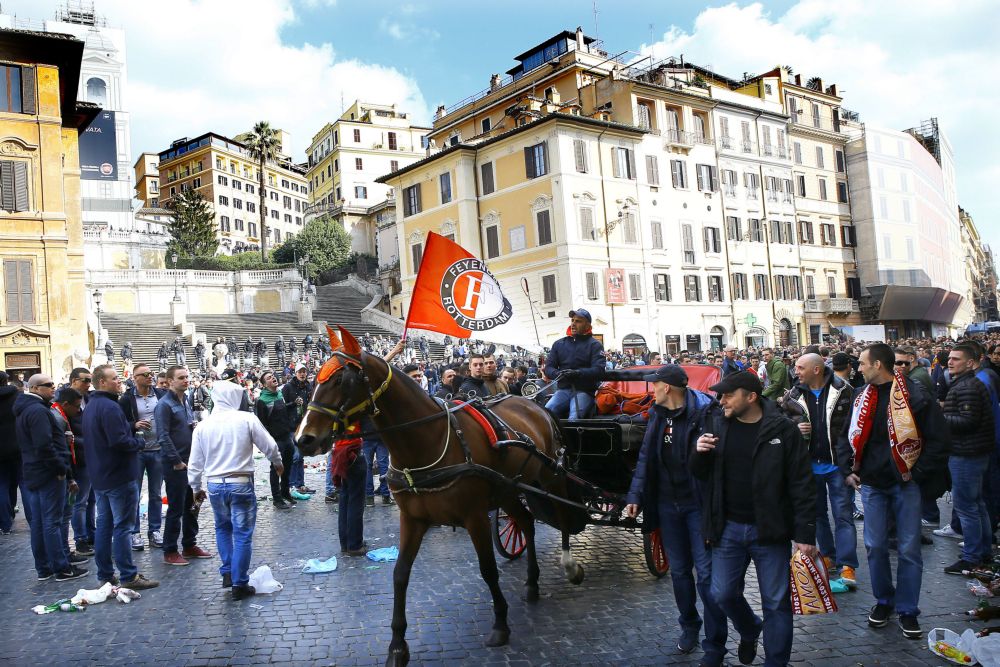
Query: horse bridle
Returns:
{"type": "Point", "coordinates": [342, 415]}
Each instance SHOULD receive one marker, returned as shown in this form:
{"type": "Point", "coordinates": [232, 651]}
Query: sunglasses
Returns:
{"type": "Point", "coordinates": [902, 363]}
{"type": "Point", "coordinates": [87, 380]}
{"type": "Point", "coordinates": [146, 374]}
{"type": "Point", "coordinates": [47, 384]}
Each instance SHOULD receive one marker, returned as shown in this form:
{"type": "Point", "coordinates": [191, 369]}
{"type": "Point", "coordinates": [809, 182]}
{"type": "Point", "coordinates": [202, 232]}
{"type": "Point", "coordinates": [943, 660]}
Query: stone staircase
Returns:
{"type": "Point", "coordinates": [146, 332]}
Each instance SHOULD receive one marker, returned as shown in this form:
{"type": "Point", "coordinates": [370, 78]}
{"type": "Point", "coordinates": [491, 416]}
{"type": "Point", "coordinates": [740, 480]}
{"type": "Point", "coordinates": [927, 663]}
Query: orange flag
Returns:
{"type": "Point", "coordinates": [455, 294]}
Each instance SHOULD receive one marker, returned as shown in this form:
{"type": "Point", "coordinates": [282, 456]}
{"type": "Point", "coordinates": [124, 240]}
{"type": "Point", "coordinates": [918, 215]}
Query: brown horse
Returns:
{"type": "Point", "coordinates": [426, 444]}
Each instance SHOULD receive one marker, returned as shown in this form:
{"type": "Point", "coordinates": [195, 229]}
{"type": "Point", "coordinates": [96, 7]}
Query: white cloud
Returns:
{"type": "Point", "coordinates": [896, 62]}
{"type": "Point", "coordinates": [407, 31]}
{"type": "Point", "coordinates": [212, 65]}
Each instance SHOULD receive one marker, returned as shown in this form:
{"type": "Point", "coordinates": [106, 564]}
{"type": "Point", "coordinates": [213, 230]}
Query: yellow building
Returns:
{"type": "Point", "coordinates": [43, 324]}
{"type": "Point", "coordinates": [223, 171]}
{"type": "Point", "coordinates": [147, 180]}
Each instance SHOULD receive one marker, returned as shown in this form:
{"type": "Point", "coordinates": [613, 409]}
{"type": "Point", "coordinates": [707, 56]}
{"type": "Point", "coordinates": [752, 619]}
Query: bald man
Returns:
{"type": "Point", "coordinates": [820, 403]}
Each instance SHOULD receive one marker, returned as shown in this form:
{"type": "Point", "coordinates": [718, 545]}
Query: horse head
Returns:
{"type": "Point", "coordinates": [342, 395]}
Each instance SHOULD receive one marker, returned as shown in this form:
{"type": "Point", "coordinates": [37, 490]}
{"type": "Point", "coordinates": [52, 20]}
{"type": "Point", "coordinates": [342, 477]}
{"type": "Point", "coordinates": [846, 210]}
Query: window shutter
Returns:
{"type": "Point", "coordinates": [706, 239]}
{"type": "Point", "coordinates": [21, 187]}
{"type": "Point", "coordinates": [615, 166]}
{"type": "Point", "coordinates": [630, 158]}
{"type": "Point", "coordinates": [579, 153]}
{"type": "Point", "coordinates": [529, 163]}
{"type": "Point", "coordinates": [674, 175]}
{"type": "Point", "coordinates": [7, 198]}
{"type": "Point", "coordinates": [28, 105]}
{"type": "Point", "coordinates": [652, 170]}
{"type": "Point", "coordinates": [12, 293]}
{"type": "Point", "coordinates": [545, 159]}
{"type": "Point", "coordinates": [701, 179]}
{"type": "Point", "coordinates": [714, 175]}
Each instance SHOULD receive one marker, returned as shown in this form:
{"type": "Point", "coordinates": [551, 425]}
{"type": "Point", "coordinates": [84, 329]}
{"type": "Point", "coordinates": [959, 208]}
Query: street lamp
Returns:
{"type": "Point", "coordinates": [303, 268]}
{"type": "Point", "coordinates": [97, 295]}
{"type": "Point", "coordinates": [177, 296]}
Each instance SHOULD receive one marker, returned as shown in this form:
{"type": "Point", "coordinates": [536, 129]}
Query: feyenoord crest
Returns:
{"type": "Point", "coordinates": [472, 297]}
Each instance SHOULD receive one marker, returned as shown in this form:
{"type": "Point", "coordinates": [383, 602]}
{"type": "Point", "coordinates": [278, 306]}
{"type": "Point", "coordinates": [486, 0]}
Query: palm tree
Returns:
{"type": "Point", "coordinates": [262, 144]}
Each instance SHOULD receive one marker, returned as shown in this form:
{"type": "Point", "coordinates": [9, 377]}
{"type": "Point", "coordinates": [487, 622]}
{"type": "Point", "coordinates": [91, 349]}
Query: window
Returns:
{"type": "Point", "coordinates": [392, 141]}
{"type": "Point", "coordinates": [729, 182]}
{"type": "Point", "coordinates": [656, 227]}
{"type": "Point", "coordinates": [797, 152]}
{"type": "Point", "coordinates": [734, 230]}
{"type": "Point", "coordinates": [820, 162]}
{"type": "Point", "coordinates": [445, 182]}
{"type": "Point", "coordinates": [19, 286]}
{"type": "Point", "coordinates": [360, 192]}
{"type": "Point", "coordinates": [492, 242]}
{"type": "Point", "coordinates": [815, 114]}
{"type": "Point", "coordinates": [238, 185]}
{"type": "Point", "coordinates": [661, 287]}
{"type": "Point", "coordinates": [580, 155]}
{"type": "Point", "coordinates": [222, 180]}
{"type": "Point", "coordinates": [652, 170]}
{"type": "Point", "coordinates": [712, 239]}
{"type": "Point", "coordinates": [14, 185]}
{"type": "Point", "coordinates": [773, 186]}
{"type": "Point", "coordinates": [841, 164]}
{"type": "Point", "coordinates": [411, 200]}
{"type": "Point", "coordinates": [238, 204]}
{"type": "Point", "coordinates": [766, 139]}
{"type": "Point", "coordinates": [906, 210]}
{"type": "Point", "coordinates": [822, 189]}
{"type": "Point", "coordinates": [544, 224]}
{"type": "Point", "coordinates": [251, 207]}
{"type": "Point", "coordinates": [760, 290]}
{"type": "Point", "coordinates": [277, 234]}
{"type": "Point", "coordinates": [847, 235]}
{"type": "Point", "coordinates": [806, 231]}
{"type": "Point", "coordinates": [752, 183]}
{"type": "Point", "coordinates": [678, 174]}
{"type": "Point", "coordinates": [634, 286]}
{"type": "Point", "coordinates": [536, 162]}
{"type": "Point", "coordinates": [831, 286]}
{"type": "Point", "coordinates": [487, 177]}
{"type": "Point", "coordinates": [223, 200]}
{"type": "Point", "coordinates": [393, 165]}
{"type": "Point", "coordinates": [781, 144]}
{"type": "Point", "coordinates": [549, 294]}
{"type": "Point", "coordinates": [756, 231]}
{"type": "Point", "coordinates": [887, 246]}
{"type": "Point", "coordinates": [286, 201]}
{"type": "Point", "coordinates": [673, 124]}
{"type": "Point", "coordinates": [708, 180]}
{"type": "Point", "coordinates": [780, 288]}
{"type": "Point", "coordinates": [810, 286]}
{"type": "Point", "coordinates": [416, 255]}
{"type": "Point", "coordinates": [687, 238]}
{"type": "Point", "coordinates": [238, 222]}
{"type": "Point", "coordinates": [700, 123]}
{"type": "Point", "coordinates": [740, 286]}
{"type": "Point", "coordinates": [692, 288]}
{"type": "Point", "coordinates": [219, 164]}
{"type": "Point", "coordinates": [747, 141]}
{"type": "Point", "coordinates": [252, 229]}
{"type": "Point", "coordinates": [623, 163]}
{"type": "Point", "coordinates": [17, 91]}
{"type": "Point", "coordinates": [224, 225]}
{"type": "Point", "coordinates": [359, 164]}
{"type": "Point", "coordinates": [795, 288]}
{"type": "Point", "coordinates": [644, 112]}
{"type": "Point", "coordinates": [357, 135]}
{"type": "Point", "coordinates": [336, 165]}
{"type": "Point", "coordinates": [587, 230]}
{"type": "Point", "coordinates": [250, 189]}
{"type": "Point", "coordinates": [593, 286]}
{"type": "Point", "coordinates": [629, 229]}
{"type": "Point", "coordinates": [274, 213]}
{"type": "Point", "coordinates": [801, 180]}
{"type": "Point", "coordinates": [909, 249]}
{"type": "Point", "coordinates": [485, 124]}
{"type": "Point", "coordinates": [724, 132]}
{"type": "Point", "coordinates": [883, 206]}
{"type": "Point", "coordinates": [715, 290]}
{"type": "Point", "coordinates": [842, 192]}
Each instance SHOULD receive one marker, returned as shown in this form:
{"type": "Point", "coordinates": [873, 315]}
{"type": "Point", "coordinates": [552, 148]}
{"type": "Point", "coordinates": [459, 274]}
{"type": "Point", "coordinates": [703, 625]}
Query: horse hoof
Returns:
{"type": "Point", "coordinates": [398, 657]}
{"type": "Point", "coordinates": [577, 577]}
{"type": "Point", "coordinates": [498, 638]}
{"type": "Point", "coordinates": [531, 593]}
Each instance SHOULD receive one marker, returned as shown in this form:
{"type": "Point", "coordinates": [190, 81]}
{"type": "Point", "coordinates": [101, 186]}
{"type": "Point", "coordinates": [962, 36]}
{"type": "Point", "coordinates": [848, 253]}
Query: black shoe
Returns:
{"type": "Point", "coordinates": [924, 540]}
{"type": "Point", "coordinates": [388, 500]}
{"type": "Point", "coordinates": [44, 577]}
{"type": "Point", "coordinates": [879, 615]}
{"type": "Point", "coordinates": [331, 498]}
{"type": "Point", "coordinates": [77, 558]}
{"type": "Point", "coordinates": [227, 581]}
{"type": "Point", "coordinates": [114, 581]}
{"type": "Point", "coordinates": [240, 592]}
{"type": "Point", "coordinates": [370, 501]}
{"type": "Point", "coordinates": [73, 573]}
{"type": "Point", "coordinates": [288, 499]}
{"type": "Point", "coordinates": [84, 549]}
{"type": "Point", "coordinates": [688, 641]}
{"type": "Point", "coordinates": [282, 504]}
{"type": "Point", "coordinates": [960, 567]}
{"type": "Point", "coordinates": [911, 629]}
{"type": "Point", "coordinates": [747, 650]}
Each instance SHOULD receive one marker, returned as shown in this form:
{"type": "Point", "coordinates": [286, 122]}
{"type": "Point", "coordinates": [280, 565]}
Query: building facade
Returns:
{"type": "Point", "coordinates": [147, 180]}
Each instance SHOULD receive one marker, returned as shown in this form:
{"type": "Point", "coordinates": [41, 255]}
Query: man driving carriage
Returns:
{"type": "Point", "coordinates": [577, 363]}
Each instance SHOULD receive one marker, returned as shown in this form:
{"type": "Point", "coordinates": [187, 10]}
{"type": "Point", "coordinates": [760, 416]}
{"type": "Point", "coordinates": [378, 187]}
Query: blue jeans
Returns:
{"type": "Point", "coordinates": [115, 515]}
{"type": "Point", "coordinates": [10, 476]}
{"type": "Point", "coordinates": [152, 465]}
{"type": "Point", "coordinates": [350, 519]}
{"type": "Point", "coordinates": [47, 545]}
{"type": "Point", "coordinates": [180, 511]}
{"type": "Point", "coordinates": [968, 474]}
{"type": "Point", "coordinates": [680, 529]}
{"type": "Point", "coordinates": [297, 475]}
{"type": "Point", "coordinates": [83, 520]}
{"type": "Point", "coordinates": [376, 451]}
{"type": "Point", "coordinates": [841, 543]}
{"type": "Point", "coordinates": [235, 509]}
{"type": "Point", "coordinates": [903, 503]}
{"type": "Point", "coordinates": [575, 404]}
{"type": "Point", "coordinates": [730, 559]}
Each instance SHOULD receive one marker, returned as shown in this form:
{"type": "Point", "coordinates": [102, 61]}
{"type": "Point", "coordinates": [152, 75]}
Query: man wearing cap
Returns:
{"type": "Point", "coordinates": [577, 362]}
{"type": "Point", "coordinates": [669, 498]}
{"type": "Point", "coordinates": [297, 393]}
{"type": "Point", "coordinates": [758, 496]}
{"type": "Point", "coordinates": [729, 363]}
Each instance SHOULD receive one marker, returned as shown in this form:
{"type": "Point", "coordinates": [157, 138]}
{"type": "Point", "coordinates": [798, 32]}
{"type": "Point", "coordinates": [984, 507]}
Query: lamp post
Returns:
{"type": "Point", "coordinates": [302, 276]}
{"type": "Point", "coordinates": [177, 296]}
{"type": "Point", "coordinates": [97, 295]}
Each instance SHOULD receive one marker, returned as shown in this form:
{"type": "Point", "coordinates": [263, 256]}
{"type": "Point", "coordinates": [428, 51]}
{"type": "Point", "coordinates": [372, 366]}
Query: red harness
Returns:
{"type": "Point", "coordinates": [491, 434]}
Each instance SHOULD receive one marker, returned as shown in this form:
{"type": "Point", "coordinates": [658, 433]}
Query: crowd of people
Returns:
{"type": "Point", "coordinates": [816, 427]}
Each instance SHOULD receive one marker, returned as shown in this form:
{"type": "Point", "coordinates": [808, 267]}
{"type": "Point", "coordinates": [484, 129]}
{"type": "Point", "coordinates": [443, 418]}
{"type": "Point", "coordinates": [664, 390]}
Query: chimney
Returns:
{"type": "Point", "coordinates": [494, 82]}
{"type": "Point", "coordinates": [439, 112]}
{"type": "Point", "coordinates": [798, 80]}
{"type": "Point", "coordinates": [579, 38]}
{"type": "Point", "coordinates": [832, 90]}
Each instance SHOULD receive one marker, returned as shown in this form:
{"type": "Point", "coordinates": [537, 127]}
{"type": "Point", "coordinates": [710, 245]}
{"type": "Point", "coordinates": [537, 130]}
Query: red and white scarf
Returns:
{"type": "Point", "coordinates": [904, 436]}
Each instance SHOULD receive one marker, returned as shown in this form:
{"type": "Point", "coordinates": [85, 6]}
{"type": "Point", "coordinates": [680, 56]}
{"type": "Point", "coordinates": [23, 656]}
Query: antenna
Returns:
{"type": "Point", "coordinates": [652, 52]}
{"type": "Point", "coordinates": [597, 32]}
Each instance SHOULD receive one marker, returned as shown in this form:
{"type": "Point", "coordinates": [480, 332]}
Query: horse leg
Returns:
{"type": "Point", "coordinates": [478, 527]}
{"type": "Point", "coordinates": [526, 522]}
{"type": "Point", "coordinates": [574, 571]}
{"type": "Point", "coordinates": [411, 534]}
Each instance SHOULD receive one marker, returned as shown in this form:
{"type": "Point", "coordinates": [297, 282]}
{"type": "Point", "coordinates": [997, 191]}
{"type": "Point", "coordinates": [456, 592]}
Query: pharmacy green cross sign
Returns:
{"type": "Point", "coordinates": [751, 320]}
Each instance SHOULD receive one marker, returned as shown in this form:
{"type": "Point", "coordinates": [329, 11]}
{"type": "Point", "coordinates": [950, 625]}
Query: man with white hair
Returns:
{"type": "Point", "coordinates": [222, 457]}
{"type": "Point", "coordinates": [729, 363]}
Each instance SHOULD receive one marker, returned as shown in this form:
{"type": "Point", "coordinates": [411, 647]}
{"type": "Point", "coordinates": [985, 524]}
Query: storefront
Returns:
{"type": "Point", "coordinates": [634, 344]}
{"type": "Point", "coordinates": [672, 345]}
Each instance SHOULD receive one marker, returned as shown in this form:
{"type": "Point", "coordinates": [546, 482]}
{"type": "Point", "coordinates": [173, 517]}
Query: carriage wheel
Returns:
{"type": "Point", "coordinates": [656, 555]}
{"type": "Point", "coordinates": [507, 535]}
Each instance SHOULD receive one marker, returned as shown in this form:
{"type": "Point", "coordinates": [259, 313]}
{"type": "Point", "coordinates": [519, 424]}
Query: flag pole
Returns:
{"type": "Point", "coordinates": [531, 307]}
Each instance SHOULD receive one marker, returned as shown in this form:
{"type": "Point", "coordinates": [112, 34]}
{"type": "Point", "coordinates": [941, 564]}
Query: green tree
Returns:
{"type": "Point", "coordinates": [325, 241]}
{"type": "Point", "coordinates": [262, 144]}
{"type": "Point", "coordinates": [192, 228]}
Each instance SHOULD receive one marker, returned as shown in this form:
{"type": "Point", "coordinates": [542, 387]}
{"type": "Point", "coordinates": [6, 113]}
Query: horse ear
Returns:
{"type": "Point", "coordinates": [334, 338]}
{"type": "Point", "coordinates": [351, 345]}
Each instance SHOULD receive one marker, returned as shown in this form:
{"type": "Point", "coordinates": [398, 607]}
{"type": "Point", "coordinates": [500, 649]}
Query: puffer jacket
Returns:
{"type": "Point", "coordinates": [969, 413]}
{"type": "Point", "coordinates": [9, 451]}
{"type": "Point", "coordinates": [582, 353]}
{"type": "Point", "coordinates": [837, 397]}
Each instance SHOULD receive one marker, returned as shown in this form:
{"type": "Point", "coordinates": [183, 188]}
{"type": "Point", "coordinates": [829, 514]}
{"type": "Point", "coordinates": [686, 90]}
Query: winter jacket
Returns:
{"type": "Point", "coordinates": [582, 353]}
{"type": "Point", "coordinates": [9, 450]}
{"type": "Point", "coordinates": [294, 389]}
{"type": "Point", "coordinates": [920, 374]}
{"type": "Point", "coordinates": [777, 376]}
{"type": "Point", "coordinates": [992, 381]}
{"type": "Point", "coordinates": [784, 491]}
{"type": "Point", "coordinates": [474, 387]}
{"type": "Point", "coordinates": [644, 490]}
{"type": "Point", "coordinates": [730, 366]}
{"type": "Point", "coordinates": [112, 446]}
{"type": "Point", "coordinates": [174, 419]}
{"type": "Point", "coordinates": [44, 455]}
{"type": "Point", "coordinates": [969, 413]}
{"type": "Point", "coordinates": [277, 418]}
{"type": "Point", "coordinates": [835, 398]}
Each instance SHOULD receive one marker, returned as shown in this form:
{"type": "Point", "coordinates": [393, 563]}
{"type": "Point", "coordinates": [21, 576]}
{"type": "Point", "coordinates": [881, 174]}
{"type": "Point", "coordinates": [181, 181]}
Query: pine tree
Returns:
{"type": "Point", "coordinates": [192, 229]}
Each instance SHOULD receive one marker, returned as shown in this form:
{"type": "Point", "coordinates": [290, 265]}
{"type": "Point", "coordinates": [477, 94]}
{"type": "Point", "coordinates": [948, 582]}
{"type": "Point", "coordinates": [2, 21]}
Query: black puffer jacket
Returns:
{"type": "Point", "coordinates": [9, 451]}
{"type": "Point", "coordinates": [969, 413]}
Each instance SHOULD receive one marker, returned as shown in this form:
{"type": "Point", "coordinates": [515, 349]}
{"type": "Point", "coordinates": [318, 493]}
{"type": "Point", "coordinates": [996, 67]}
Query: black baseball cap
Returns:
{"type": "Point", "coordinates": [580, 312]}
{"type": "Point", "coordinates": [740, 380]}
{"type": "Point", "coordinates": [228, 374]}
{"type": "Point", "coordinates": [672, 374]}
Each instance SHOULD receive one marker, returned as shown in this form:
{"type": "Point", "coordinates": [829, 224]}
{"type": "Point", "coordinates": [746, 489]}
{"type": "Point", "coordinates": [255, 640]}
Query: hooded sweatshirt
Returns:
{"type": "Point", "coordinates": [223, 443]}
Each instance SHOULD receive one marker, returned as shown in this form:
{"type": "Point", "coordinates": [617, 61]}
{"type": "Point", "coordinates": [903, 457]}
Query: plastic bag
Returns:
{"type": "Point", "coordinates": [383, 555]}
{"type": "Point", "coordinates": [263, 581]}
{"type": "Point", "coordinates": [948, 645]}
{"type": "Point", "coordinates": [979, 589]}
{"type": "Point", "coordinates": [810, 587]}
{"type": "Point", "coordinates": [317, 566]}
{"type": "Point", "coordinates": [987, 650]}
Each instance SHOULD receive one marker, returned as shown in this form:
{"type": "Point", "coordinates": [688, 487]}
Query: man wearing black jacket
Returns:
{"type": "Point", "coordinates": [10, 455]}
{"type": "Point", "coordinates": [577, 362]}
{"type": "Point", "coordinates": [277, 418]}
{"type": "Point", "coordinates": [758, 496]}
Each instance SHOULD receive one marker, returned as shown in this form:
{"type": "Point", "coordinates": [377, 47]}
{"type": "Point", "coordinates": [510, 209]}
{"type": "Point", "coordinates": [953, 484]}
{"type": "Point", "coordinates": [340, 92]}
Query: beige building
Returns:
{"type": "Point", "coordinates": [147, 180]}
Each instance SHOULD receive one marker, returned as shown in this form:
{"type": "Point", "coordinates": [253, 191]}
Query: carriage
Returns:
{"type": "Point", "coordinates": [599, 458]}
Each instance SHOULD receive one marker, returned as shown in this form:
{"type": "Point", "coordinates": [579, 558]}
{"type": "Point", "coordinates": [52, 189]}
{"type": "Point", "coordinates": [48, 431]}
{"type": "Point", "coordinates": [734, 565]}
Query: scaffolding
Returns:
{"type": "Point", "coordinates": [928, 134]}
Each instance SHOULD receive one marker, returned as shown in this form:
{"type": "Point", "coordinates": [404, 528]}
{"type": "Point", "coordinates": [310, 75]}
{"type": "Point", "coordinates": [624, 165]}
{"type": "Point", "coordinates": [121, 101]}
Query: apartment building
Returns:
{"type": "Point", "coordinates": [346, 157]}
{"type": "Point", "coordinates": [225, 173]}
{"type": "Point", "coordinates": [147, 179]}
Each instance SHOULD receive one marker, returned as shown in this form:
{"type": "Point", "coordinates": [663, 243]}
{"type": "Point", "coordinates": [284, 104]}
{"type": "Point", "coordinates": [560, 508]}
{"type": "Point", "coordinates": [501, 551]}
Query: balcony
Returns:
{"type": "Point", "coordinates": [678, 138]}
{"type": "Point", "coordinates": [831, 306]}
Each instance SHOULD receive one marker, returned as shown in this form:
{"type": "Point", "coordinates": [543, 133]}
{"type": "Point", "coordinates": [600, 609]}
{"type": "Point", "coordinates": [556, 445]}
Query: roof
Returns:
{"type": "Point", "coordinates": [565, 117]}
{"type": "Point", "coordinates": [287, 166]}
{"type": "Point", "coordinates": [565, 34]}
{"type": "Point", "coordinates": [50, 48]}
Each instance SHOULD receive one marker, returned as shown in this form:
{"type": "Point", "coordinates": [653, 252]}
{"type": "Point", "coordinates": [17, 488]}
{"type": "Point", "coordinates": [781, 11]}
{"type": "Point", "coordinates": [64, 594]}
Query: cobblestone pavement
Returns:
{"type": "Point", "coordinates": [620, 615]}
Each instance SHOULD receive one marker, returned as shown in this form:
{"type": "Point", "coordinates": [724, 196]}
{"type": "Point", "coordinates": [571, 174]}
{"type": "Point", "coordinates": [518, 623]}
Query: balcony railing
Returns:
{"type": "Point", "coordinates": [805, 119]}
{"type": "Point", "coordinates": [835, 305]}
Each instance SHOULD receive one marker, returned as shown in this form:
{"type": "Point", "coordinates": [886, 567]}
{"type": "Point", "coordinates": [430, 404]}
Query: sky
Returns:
{"type": "Point", "coordinates": [220, 65]}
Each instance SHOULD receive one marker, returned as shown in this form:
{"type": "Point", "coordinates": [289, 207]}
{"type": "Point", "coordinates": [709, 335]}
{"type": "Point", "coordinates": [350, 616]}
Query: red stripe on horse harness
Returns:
{"type": "Point", "coordinates": [491, 434]}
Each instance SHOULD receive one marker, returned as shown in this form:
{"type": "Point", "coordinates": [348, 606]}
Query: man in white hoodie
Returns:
{"type": "Point", "coordinates": [222, 456]}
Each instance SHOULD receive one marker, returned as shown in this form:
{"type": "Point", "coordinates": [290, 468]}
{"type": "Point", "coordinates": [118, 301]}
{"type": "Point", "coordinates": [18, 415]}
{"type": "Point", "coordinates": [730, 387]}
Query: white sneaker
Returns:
{"type": "Point", "coordinates": [947, 532]}
{"type": "Point", "coordinates": [137, 543]}
{"type": "Point", "coordinates": [156, 539]}
{"type": "Point", "coordinates": [961, 544]}
{"type": "Point", "coordinates": [925, 523]}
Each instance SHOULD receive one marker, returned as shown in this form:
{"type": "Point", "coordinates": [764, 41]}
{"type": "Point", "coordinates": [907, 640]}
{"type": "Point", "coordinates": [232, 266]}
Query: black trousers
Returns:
{"type": "Point", "coordinates": [180, 521]}
{"type": "Point", "coordinates": [279, 486]}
